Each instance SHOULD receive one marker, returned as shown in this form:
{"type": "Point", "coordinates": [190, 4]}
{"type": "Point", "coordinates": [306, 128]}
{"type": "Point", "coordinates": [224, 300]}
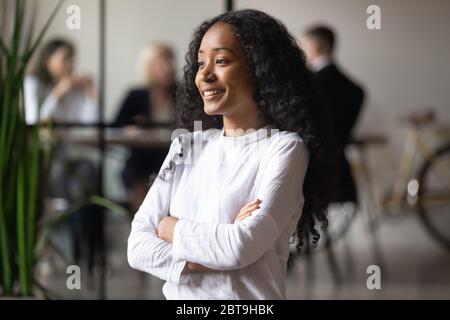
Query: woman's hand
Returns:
{"type": "Point", "coordinates": [64, 85]}
{"type": "Point", "coordinates": [86, 84]}
{"type": "Point", "coordinates": [192, 267]}
{"type": "Point", "coordinates": [165, 228]}
{"type": "Point", "coordinates": [167, 225]}
{"type": "Point", "coordinates": [247, 210]}
{"type": "Point", "coordinates": [165, 232]}
{"type": "Point", "coordinates": [132, 131]}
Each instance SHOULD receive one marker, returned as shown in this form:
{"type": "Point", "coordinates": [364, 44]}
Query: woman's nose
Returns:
{"type": "Point", "coordinates": [207, 73]}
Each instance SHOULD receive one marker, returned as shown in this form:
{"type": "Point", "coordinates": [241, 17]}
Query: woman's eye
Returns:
{"type": "Point", "coordinates": [200, 63]}
{"type": "Point", "coordinates": [220, 61]}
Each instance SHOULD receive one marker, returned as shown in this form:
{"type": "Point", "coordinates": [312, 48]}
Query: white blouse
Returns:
{"type": "Point", "coordinates": [215, 177]}
{"type": "Point", "coordinates": [73, 107]}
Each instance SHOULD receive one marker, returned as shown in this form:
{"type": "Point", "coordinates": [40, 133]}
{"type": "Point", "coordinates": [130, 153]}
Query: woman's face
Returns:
{"type": "Point", "coordinates": [60, 63]}
{"type": "Point", "coordinates": [222, 77]}
{"type": "Point", "coordinates": [162, 69]}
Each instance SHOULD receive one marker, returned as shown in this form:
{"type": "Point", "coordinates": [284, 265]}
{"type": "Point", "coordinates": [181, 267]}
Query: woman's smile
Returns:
{"type": "Point", "coordinates": [212, 93]}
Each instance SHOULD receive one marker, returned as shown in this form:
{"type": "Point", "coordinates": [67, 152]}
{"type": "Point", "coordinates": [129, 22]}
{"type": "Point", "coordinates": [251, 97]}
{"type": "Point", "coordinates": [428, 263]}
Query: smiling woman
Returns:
{"type": "Point", "coordinates": [218, 227]}
{"type": "Point", "coordinates": [223, 79]}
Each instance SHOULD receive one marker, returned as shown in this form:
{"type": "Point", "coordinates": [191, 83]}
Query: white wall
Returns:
{"type": "Point", "coordinates": [131, 24]}
{"type": "Point", "coordinates": [404, 66]}
{"type": "Point", "coordinates": [86, 39]}
{"type": "Point", "coordinates": [134, 23]}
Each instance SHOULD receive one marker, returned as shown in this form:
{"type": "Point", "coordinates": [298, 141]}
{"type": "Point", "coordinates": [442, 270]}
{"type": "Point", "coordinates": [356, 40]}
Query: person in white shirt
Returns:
{"type": "Point", "coordinates": [217, 222]}
{"type": "Point", "coordinates": [53, 92]}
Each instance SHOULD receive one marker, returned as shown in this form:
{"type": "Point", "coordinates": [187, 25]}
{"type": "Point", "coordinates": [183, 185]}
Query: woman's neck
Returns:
{"type": "Point", "coordinates": [160, 95]}
{"type": "Point", "coordinates": [237, 126]}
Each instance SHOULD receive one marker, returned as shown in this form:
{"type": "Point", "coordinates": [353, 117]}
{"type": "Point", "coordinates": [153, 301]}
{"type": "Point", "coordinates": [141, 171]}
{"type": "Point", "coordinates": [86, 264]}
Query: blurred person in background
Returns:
{"type": "Point", "coordinates": [55, 93]}
{"type": "Point", "coordinates": [149, 106]}
{"type": "Point", "coordinates": [343, 96]}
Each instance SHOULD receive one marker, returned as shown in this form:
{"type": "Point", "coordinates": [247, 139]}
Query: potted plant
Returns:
{"type": "Point", "coordinates": [24, 158]}
{"type": "Point", "coordinates": [20, 153]}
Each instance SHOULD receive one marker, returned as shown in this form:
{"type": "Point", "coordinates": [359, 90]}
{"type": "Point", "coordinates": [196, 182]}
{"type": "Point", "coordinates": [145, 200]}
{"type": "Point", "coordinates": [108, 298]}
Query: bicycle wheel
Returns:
{"type": "Point", "coordinates": [433, 202]}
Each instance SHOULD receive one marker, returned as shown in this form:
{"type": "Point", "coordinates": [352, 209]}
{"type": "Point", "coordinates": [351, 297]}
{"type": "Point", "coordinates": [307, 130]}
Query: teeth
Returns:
{"type": "Point", "coordinates": [208, 93]}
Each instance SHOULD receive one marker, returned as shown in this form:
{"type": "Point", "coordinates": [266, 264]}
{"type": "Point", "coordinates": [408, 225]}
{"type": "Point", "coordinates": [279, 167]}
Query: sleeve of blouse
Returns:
{"type": "Point", "coordinates": [233, 246]}
{"type": "Point", "coordinates": [32, 102]}
{"type": "Point", "coordinates": [89, 110]}
{"type": "Point", "coordinates": [146, 252]}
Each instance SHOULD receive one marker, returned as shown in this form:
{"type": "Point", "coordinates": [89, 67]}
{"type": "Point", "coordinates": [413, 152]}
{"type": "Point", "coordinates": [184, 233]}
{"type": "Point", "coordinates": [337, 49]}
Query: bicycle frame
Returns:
{"type": "Point", "coordinates": [406, 179]}
{"type": "Point", "coordinates": [407, 192]}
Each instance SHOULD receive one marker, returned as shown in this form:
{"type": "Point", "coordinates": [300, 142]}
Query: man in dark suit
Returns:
{"type": "Point", "coordinates": [343, 96]}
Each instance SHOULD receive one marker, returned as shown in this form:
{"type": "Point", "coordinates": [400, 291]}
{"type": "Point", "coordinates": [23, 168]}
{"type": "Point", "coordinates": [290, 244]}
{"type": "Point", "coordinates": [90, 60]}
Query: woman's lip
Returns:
{"type": "Point", "coordinates": [211, 97]}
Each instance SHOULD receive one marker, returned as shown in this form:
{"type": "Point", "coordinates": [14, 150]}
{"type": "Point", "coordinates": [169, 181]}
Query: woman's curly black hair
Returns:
{"type": "Point", "coordinates": [286, 96]}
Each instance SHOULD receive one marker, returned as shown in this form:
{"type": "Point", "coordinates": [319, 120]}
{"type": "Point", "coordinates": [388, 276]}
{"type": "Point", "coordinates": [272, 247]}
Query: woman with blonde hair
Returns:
{"type": "Point", "coordinates": [147, 106]}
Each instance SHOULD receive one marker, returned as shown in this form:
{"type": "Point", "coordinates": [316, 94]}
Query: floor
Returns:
{"type": "Point", "coordinates": [414, 267]}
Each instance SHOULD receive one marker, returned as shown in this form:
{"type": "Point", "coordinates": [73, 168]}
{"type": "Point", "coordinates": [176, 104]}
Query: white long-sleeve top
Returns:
{"type": "Point", "coordinates": [209, 185]}
{"type": "Point", "coordinates": [73, 107]}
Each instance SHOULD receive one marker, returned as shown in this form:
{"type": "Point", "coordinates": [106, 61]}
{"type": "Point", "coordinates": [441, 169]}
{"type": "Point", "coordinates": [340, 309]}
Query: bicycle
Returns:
{"type": "Point", "coordinates": [421, 191]}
